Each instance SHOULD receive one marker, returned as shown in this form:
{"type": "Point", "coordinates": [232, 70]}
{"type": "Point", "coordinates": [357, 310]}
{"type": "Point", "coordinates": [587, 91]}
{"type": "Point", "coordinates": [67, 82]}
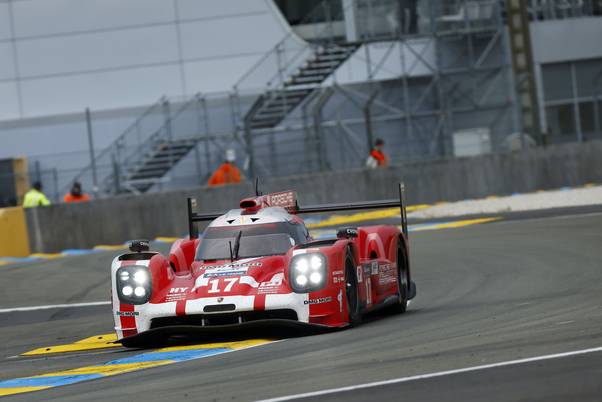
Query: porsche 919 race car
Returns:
{"type": "Point", "coordinates": [259, 265]}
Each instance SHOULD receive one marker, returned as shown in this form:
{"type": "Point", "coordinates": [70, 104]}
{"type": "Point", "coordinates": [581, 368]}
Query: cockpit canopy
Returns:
{"type": "Point", "coordinates": [249, 241]}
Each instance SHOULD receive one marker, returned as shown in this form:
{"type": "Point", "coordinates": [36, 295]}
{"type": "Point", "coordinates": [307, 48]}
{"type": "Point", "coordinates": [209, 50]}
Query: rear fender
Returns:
{"type": "Point", "coordinates": [379, 241]}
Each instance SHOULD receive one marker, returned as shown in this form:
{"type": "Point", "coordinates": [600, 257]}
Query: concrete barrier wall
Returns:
{"type": "Point", "coordinates": [113, 221]}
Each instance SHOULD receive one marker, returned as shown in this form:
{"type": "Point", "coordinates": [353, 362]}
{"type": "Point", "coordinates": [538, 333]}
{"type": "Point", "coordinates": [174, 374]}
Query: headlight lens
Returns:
{"type": "Point", "coordinates": [315, 278]}
{"type": "Point", "coordinates": [133, 284]}
{"type": "Point", "coordinates": [141, 276]}
{"type": "Point", "coordinates": [307, 272]}
{"type": "Point", "coordinates": [127, 290]}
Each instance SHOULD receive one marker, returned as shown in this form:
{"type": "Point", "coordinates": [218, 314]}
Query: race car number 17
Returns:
{"type": "Point", "coordinates": [215, 285]}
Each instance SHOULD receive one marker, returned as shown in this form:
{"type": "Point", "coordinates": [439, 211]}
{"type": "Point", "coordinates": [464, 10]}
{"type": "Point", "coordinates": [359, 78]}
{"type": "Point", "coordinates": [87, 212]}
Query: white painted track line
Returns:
{"type": "Point", "coordinates": [48, 307]}
{"type": "Point", "coordinates": [432, 375]}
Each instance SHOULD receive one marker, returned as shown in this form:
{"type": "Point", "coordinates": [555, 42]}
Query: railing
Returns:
{"type": "Point", "coordinates": [289, 54]}
{"type": "Point", "coordinates": [128, 153]}
{"type": "Point", "coordinates": [541, 10]}
{"type": "Point", "coordinates": [133, 136]}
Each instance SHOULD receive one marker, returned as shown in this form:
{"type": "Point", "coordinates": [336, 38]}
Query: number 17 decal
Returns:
{"type": "Point", "coordinates": [215, 288]}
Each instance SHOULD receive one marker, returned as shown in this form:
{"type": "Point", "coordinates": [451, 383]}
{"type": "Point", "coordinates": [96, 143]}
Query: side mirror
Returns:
{"type": "Point", "coordinates": [347, 233]}
{"type": "Point", "coordinates": [139, 246]}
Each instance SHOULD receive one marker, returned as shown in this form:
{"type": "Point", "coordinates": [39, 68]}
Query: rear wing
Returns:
{"type": "Point", "coordinates": [194, 217]}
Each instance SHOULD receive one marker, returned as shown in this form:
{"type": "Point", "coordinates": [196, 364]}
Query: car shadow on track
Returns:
{"type": "Point", "coordinates": [273, 330]}
{"type": "Point", "coordinates": [191, 335]}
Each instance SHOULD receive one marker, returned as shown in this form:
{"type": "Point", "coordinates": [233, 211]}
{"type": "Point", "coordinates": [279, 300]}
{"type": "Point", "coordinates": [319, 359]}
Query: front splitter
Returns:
{"type": "Point", "coordinates": [270, 328]}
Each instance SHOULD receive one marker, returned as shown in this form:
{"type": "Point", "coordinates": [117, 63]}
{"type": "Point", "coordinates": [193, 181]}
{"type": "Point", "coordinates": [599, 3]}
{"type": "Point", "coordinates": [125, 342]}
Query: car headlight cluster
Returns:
{"type": "Point", "coordinates": [307, 272]}
{"type": "Point", "coordinates": [133, 284]}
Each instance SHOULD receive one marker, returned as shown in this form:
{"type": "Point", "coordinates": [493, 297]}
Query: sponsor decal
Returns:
{"type": "Point", "coordinates": [359, 274]}
{"type": "Point", "coordinates": [272, 286]}
{"type": "Point", "coordinates": [368, 282]}
{"type": "Point", "coordinates": [284, 199]}
{"type": "Point", "coordinates": [224, 273]}
{"type": "Point", "coordinates": [387, 275]}
{"type": "Point", "coordinates": [318, 301]}
{"type": "Point", "coordinates": [176, 294]}
{"type": "Point", "coordinates": [234, 265]}
{"type": "Point", "coordinates": [268, 290]}
{"type": "Point", "coordinates": [338, 277]}
{"type": "Point", "coordinates": [127, 313]}
{"type": "Point", "coordinates": [374, 268]}
{"type": "Point", "coordinates": [232, 269]}
{"type": "Point", "coordinates": [175, 297]}
{"type": "Point", "coordinates": [340, 300]}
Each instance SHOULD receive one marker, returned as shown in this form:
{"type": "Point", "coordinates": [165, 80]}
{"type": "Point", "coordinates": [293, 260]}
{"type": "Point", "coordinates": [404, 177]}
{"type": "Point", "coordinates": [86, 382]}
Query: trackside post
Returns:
{"type": "Point", "coordinates": [193, 229]}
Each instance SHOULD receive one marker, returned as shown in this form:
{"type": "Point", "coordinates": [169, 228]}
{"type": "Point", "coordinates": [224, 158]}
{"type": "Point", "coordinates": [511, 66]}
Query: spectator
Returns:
{"type": "Point", "coordinates": [408, 16]}
{"type": "Point", "coordinates": [377, 158]}
{"type": "Point", "coordinates": [76, 194]}
{"type": "Point", "coordinates": [35, 197]}
{"type": "Point", "coordinates": [227, 173]}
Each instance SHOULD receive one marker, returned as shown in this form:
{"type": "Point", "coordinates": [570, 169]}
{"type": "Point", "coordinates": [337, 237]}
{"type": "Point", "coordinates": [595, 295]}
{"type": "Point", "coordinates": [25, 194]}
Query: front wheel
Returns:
{"type": "Point", "coordinates": [402, 279]}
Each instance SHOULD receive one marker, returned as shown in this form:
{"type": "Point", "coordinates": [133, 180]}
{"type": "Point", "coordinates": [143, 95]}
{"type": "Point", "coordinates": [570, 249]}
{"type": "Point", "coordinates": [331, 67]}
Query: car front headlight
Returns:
{"type": "Point", "coordinates": [307, 272]}
{"type": "Point", "coordinates": [133, 284]}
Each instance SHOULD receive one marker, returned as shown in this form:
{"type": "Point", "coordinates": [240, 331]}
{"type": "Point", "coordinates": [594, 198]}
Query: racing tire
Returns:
{"type": "Point", "coordinates": [351, 291]}
{"type": "Point", "coordinates": [402, 280]}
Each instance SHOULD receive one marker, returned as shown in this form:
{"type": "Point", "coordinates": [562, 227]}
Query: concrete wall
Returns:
{"type": "Point", "coordinates": [113, 221]}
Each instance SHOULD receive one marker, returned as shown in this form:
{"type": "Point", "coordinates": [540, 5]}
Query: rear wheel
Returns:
{"type": "Point", "coordinates": [402, 279]}
{"type": "Point", "coordinates": [353, 306]}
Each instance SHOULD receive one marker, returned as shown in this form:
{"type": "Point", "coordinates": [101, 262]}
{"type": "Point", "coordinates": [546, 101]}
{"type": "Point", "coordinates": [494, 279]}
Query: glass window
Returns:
{"type": "Point", "coordinates": [590, 121]}
{"type": "Point", "coordinates": [561, 120]}
{"type": "Point", "coordinates": [589, 78]}
{"type": "Point", "coordinates": [310, 11]}
{"type": "Point", "coordinates": [557, 81]}
{"type": "Point", "coordinates": [254, 241]}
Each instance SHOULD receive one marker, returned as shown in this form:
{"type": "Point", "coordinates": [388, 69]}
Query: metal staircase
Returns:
{"type": "Point", "coordinates": [155, 164]}
{"type": "Point", "coordinates": [273, 106]}
{"type": "Point", "coordinates": [148, 149]}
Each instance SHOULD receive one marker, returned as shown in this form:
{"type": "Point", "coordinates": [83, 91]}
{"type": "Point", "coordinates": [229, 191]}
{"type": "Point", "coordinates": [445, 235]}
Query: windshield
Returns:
{"type": "Point", "coordinates": [255, 241]}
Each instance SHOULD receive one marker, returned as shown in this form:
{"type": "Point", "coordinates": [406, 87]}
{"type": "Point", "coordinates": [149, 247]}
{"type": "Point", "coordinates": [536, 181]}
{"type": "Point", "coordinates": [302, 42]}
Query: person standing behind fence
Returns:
{"type": "Point", "coordinates": [377, 158]}
{"type": "Point", "coordinates": [76, 194]}
{"type": "Point", "coordinates": [35, 197]}
{"type": "Point", "coordinates": [227, 173]}
{"type": "Point", "coordinates": [408, 16]}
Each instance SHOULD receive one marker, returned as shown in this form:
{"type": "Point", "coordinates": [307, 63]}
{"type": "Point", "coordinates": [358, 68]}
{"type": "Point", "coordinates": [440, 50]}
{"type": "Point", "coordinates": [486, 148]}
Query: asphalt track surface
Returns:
{"type": "Point", "coordinates": [489, 293]}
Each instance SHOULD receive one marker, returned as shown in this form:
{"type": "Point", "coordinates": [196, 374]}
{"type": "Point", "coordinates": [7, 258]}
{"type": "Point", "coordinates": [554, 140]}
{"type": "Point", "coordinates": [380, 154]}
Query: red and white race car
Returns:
{"type": "Point", "coordinates": [259, 265]}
